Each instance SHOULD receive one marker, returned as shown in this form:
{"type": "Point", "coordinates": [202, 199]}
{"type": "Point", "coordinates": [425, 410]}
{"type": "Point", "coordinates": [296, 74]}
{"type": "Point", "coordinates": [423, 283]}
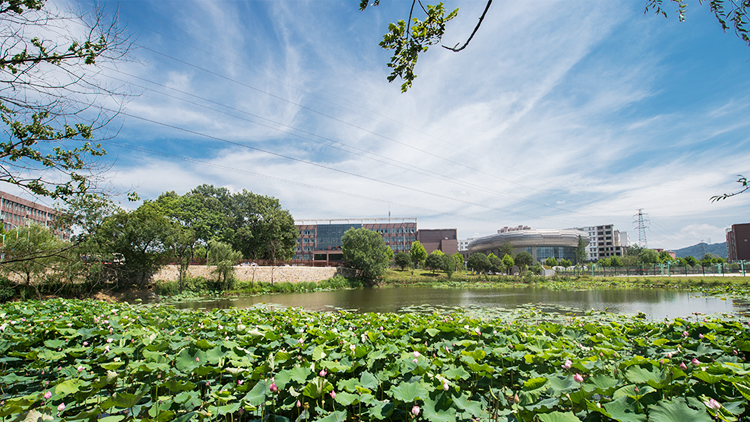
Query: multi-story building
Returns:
{"type": "Point", "coordinates": [540, 243]}
{"type": "Point", "coordinates": [605, 242]}
{"type": "Point", "coordinates": [738, 243]}
{"type": "Point", "coordinates": [18, 212]}
{"type": "Point", "coordinates": [320, 240]}
{"type": "Point", "coordinates": [444, 240]}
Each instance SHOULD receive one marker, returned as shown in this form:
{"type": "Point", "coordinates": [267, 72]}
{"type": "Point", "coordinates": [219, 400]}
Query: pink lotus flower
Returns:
{"type": "Point", "coordinates": [239, 382]}
{"type": "Point", "coordinates": [578, 378]}
{"type": "Point", "coordinates": [684, 333]}
{"type": "Point", "coordinates": [445, 386]}
{"type": "Point", "coordinates": [683, 366]}
{"type": "Point", "coordinates": [197, 359]}
{"type": "Point", "coordinates": [696, 362]}
{"type": "Point", "coordinates": [301, 340]}
{"type": "Point", "coordinates": [712, 404]}
{"type": "Point", "coordinates": [299, 404]}
{"type": "Point", "coordinates": [333, 394]}
{"type": "Point", "coordinates": [669, 355]}
{"type": "Point", "coordinates": [415, 410]}
{"type": "Point", "coordinates": [109, 340]}
{"type": "Point", "coordinates": [47, 395]}
{"type": "Point", "coordinates": [700, 335]}
{"type": "Point", "coordinates": [414, 361]}
{"type": "Point", "coordinates": [567, 364]}
{"type": "Point", "coordinates": [80, 368]}
{"type": "Point", "coordinates": [416, 354]}
{"type": "Point", "coordinates": [323, 373]}
{"type": "Point", "coordinates": [61, 407]}
{"type": "Point", "coordinates": [85, 343]}
{"type": "Point", "coordinates": [273, 387]}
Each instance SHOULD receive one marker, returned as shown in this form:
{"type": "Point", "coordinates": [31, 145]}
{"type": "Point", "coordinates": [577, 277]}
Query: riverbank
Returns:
{"type": "Point", "coordinates": [90, 360]}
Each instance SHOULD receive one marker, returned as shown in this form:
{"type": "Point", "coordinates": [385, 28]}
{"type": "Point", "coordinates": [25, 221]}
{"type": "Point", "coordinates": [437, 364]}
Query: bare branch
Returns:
{"type": "Point", "coordinates": [476, 28]}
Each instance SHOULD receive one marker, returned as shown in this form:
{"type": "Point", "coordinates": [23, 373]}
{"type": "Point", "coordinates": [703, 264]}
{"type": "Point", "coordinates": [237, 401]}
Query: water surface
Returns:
{"type": "Point", "coordinates": [655, 303]}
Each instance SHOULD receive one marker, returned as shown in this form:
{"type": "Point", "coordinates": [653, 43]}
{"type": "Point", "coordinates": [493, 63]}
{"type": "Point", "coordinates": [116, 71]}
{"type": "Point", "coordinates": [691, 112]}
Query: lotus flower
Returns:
{"type": "Point", "coordinates": [323, 372]}
{"type": "Point", "coordinates": [415, 410]}
{"type": "Point", "coordinates": [47, 395]}
{"type": "Point", "coordinates": [683, 366]}
{"type": "Point", "coordinates": [333, 394]}
{"type": "Point", "coordinates": [416, 354]}
{"type": "Point", "coordinates": [696, 362]}
{"type": "Point", "coordinates": [578, 378]}
{"type": "Point", "coordinates": [273, 387]}
{"type": "Point", "coordinates": [61, 407]}
{"type": "Point", "coordinates": [712, 404]}
{"type": "Point", "coordinates": [567, 364]}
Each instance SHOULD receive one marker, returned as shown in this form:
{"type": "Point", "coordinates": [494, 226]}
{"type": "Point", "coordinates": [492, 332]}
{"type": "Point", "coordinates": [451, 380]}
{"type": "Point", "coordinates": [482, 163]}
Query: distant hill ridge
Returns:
{"type": "Point", "coordinates": [718, 249]}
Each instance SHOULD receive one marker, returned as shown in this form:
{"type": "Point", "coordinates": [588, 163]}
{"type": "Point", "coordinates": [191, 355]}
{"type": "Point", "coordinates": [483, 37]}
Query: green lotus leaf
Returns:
{"type": "Point", "coordinates": [176, 386]}
{"type": "Point", "coordinates": [624, 409]}
{"type": "Point", "coordinates": [708, 378]}
{"type": "Point", "coordinates": [677, 410]}
{"type": "Point", "coordinates": [335, 416]}
{"type": "Point", "coordinates": [562, 385]}
{"type": "Point", "coordinates": [68, 387]}
{"type": "Point", "coordinates": [473, 407]}
{"type": "Point", "coordinates": [439, 408]}
{"type": "Point", "coordinates": [534, 383]}
{"type": "Point", "coordinates": [257, 396]}
{"type": "Point", "coordinates": [558, 417]}
{"type": "Point", "coordinates": [346, 399]}
{"type": "Point", "coordinates": [409, 391]}
{"type": "Point", "coordinates": [641, 375]}
{"type": "Point", "coordinates": [601, 384]}
{"type": "Point", "coordinates": [456, 373]}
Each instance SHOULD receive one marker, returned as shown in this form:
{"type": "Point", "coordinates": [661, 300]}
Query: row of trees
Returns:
{"type": "Point", "coordinates": [129, 246]}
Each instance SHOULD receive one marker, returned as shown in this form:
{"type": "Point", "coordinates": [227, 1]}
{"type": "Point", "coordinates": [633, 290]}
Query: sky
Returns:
{"type": "Point", "coordinates": [558, 114]}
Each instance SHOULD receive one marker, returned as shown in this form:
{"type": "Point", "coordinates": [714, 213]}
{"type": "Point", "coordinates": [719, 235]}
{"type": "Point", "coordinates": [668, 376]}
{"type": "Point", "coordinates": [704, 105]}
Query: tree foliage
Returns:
{"type": "Point", "coordinates": [224, 258]}
{"type": "Point", "coordinates": [506, 249]}
{"type": "Point", "coordinates": [508, 262]}
{"type": "Point", "coordinates": [524, 260]}
{"type": "Point", "coordinates": [478, 262]}
{"type": "Point", "coordinates": [30, 251]}
{"type": "Point", "coordinates": [434, 262]}
{"type": "Point", "coordinates": [417, 252]}
{"type": "Point", "coordinates": [551, 262]}
{"type": "Point", "coordinates": [365, 251]}
{"type": "Point", "coordinates": [402, 260]}
{"type": "Point", "coordinates": [49, 95]}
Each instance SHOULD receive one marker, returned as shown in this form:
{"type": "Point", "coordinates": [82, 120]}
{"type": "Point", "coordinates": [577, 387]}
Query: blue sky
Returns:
{"type": "Point", "coordinates": [558, 114]}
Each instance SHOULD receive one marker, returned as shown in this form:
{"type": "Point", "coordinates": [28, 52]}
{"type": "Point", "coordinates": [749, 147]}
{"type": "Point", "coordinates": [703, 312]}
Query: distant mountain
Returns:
{"type": "Point", "coordinates": [718, 249]}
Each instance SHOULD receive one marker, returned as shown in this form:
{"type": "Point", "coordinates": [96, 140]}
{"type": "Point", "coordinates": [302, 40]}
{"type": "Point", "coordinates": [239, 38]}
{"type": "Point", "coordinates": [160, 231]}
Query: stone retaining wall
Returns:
{"type": "Point", "coordinates": [250, 273]}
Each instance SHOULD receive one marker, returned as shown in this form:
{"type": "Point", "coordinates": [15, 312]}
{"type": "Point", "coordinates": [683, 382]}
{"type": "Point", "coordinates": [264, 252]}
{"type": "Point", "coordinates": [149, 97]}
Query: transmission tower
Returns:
{"type": "Point", "coordinates": [640, 221]}
{"type": "Point", "coordinates": [703, 248]}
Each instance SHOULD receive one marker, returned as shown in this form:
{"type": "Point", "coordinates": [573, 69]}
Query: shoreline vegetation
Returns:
{"type": "Point", "coordinates": [93, 360]}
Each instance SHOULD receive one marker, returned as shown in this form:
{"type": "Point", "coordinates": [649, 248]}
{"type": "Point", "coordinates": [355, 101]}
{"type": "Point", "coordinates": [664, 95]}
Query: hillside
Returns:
{"type": "Point", "coordinates": [718, 249]}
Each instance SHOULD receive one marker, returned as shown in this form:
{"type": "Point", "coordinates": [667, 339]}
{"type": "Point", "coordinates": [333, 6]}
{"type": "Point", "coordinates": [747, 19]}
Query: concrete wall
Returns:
{"type": "Point", "coordinates": [250, 273]}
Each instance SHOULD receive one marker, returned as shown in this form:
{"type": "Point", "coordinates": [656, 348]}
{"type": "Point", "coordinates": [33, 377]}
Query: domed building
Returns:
{"type": "Point", "coordinates": [540, 243]}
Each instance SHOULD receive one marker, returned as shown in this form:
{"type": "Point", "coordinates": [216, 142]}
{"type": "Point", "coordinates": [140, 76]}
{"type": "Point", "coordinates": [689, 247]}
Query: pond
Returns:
{"type": "Point", "coordinates": [655, 303]}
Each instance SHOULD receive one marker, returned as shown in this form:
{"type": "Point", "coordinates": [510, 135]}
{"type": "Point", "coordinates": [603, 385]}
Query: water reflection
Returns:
{"type": "Point", "coordinates": [656, 303]}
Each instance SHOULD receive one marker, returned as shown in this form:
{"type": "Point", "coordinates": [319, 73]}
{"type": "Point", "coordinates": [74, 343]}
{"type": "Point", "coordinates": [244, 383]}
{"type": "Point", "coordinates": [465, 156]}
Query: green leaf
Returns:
{"type": "Point", "coordinates": [345, 399]}
{"type": "Point", "coordinates": [336, 416]}
{"type": "Point", "coordinates": [369, 381]}
{"type": "Point", "coordinates": [409, 391]}
{"type": "Point", "coordinates": [639, 375]}
{"type": "Point", "coordinates": [439, 409]}
{"type": "Point", "coordinates": [456, 373]}
{"type": "Point", "coordinates": [676, 410]}
{"type": "Point", "coordinates": [67, 387]}
{"type": "Point", "coordinates": [624, 409]}
{"type": "Point", "coordinates": [558, 417]}
{"type": "Point", "coordinates": [534, 383]}
{"type": "Point", "coordinates": [257, 395]}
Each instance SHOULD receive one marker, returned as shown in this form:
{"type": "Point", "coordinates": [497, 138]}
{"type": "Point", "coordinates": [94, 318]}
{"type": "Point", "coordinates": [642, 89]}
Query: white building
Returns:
{"type": "Point", "coordinates": [606, 242]}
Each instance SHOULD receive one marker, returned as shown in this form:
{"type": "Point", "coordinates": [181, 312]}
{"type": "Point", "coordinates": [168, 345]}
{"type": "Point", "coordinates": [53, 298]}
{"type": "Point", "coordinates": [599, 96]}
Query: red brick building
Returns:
{"type": "Point", "coordinates": [18, 212]}
{"type": "Point", "coordinates": [738, 242]}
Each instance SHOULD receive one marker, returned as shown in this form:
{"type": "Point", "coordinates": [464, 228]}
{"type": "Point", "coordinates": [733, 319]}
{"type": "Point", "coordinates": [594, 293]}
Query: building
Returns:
{"type": "Point", "coordinates": [540, 243]}
{"type": "Point", "coordinates": [605, 242]}
{"type": "Point", "coordinates": [738, 245]}
{"type": "Point", "coordinates": [320, 240]}
{"type": "Point", "coordinates": [444, 240]}
{"type": "Point", "coordinates": [18, 212]}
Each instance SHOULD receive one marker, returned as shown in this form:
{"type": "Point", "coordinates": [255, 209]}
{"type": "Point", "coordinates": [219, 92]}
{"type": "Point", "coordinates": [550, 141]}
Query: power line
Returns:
{"type": "Point", "coordinates": [640, 220]}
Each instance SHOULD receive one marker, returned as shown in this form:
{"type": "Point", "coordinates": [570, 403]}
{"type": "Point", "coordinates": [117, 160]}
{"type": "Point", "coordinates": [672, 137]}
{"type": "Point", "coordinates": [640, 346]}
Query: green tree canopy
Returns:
{"type": "Point", "coordinates": [524, 260]}
{"type": "Point", "coordinates": [581, 251]}
{"type": "Point", "coordinates": [434, 262]}
{"type": "Point", "coordinates": [506, 249]}
{"type": "Point", "coordinates": [417, 252]}
{"type": "Point", "coordinates": [365, 251]}
{"type": "Point", "coordinates": [508, 262]}
{"type": "Point", "coordinates": [402, 260]}
{"type": "Point", "coordinates": [458, 260]}
{"type": "Point", "coordinates": [551, 262]}
{"type": "Point", "coordinates": [30, 251]}
{"type": "Point", "coordinates": [648, 256]}
{"type": "Point", "coordinates": [478, 262]}
{"type": "Point", "coordinates": [224, 258]}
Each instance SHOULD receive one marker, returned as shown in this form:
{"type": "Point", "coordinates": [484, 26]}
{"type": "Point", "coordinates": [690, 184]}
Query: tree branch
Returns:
{"type": "Point", "coordinates": [476, 28]}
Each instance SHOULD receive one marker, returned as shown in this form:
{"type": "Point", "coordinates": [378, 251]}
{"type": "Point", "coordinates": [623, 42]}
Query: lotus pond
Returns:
{"type": "Point", "coordinates": [89, 360]}
{"type": "Point", "coordinates": [655, 303]}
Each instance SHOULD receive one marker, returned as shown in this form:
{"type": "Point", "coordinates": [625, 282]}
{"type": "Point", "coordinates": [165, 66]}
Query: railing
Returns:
{"type": "Point", "coordinates": [654, 270]}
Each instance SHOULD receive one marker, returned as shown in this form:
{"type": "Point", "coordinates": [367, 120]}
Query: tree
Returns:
{"type": "Point", "coordinates": [604, 262]}
{"type": "Point", "coordinates": [690, 260]}
{"type": "Point", "coordinates": [402, 260]}
{"type": "Point", "coordinates": [508, 263]}
{"type": "Point", "coordinates": [524, 260]}
{"type": "Point", "coordinates": [565, 263]}
{"type": "Point", "coordinates": [615, 261]}
{"type": "Point", "coordinates": [506, 249]}
{"type": "Point", "coordinates": [434, 262]}
{"type": "Point", "coordinates": [478, 262]}
{"type": "Point", "coordinates": [551, 262]}
{"type": "Point", "coordinates": [224, 258]}
{"type": "Point", "coordinates": [409, 38]}
{"type": "Point", "coordinates": [496, 264]}
{"type": "Point", "coordinates": [365, 251]}
{"type": "Point", "coordinates": [417, 252]}
{"type": "Point", "coordinates": [29, 251]}
{"type": "Point", "coordinates": [648, 256]}
{"type": "Point", "coordinates": [449, 265]}
{"type": "Point", "coordinates": [49, 95]}
{"type": "Point", "coordinates": [458, 260]}
{"type": "Point", "coordinates": [664, 257]}
{"type": "Point", "coordinates": [140, 237]}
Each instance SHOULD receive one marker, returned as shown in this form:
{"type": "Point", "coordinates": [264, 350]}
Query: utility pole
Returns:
{"type": "Point", "coordinates": [640, 221]}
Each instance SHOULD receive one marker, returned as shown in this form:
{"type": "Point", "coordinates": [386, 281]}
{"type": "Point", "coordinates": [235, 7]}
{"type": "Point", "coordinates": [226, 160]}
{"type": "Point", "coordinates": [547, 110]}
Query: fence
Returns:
{"type": "Point", "coordinates": [656, 270]}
